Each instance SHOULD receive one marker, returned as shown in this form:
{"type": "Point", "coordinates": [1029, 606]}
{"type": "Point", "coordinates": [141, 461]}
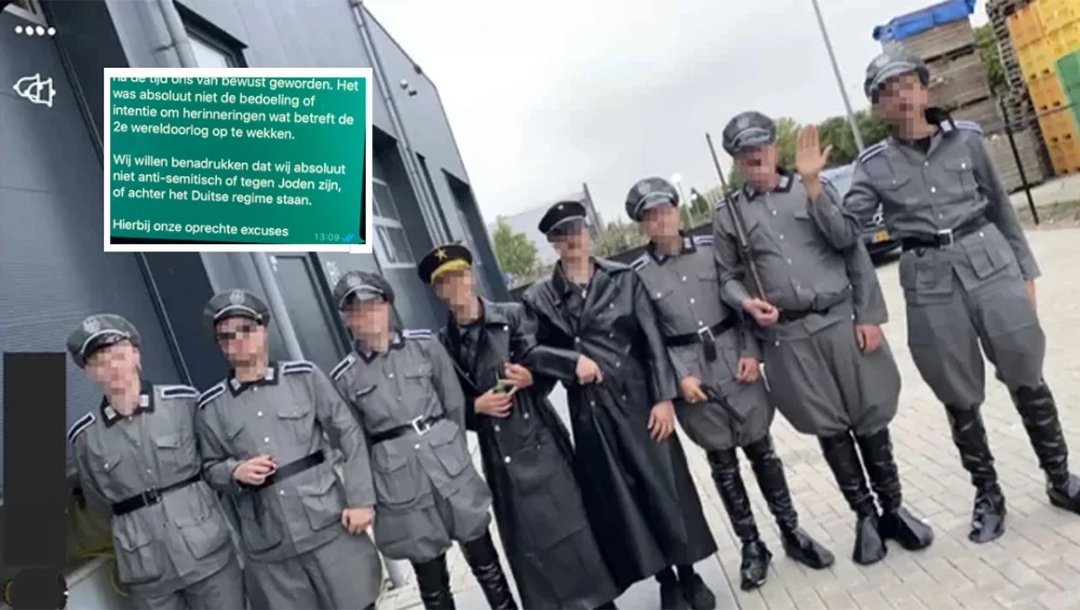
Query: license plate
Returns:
{"type": "Point", "coordinates": [881, 236]}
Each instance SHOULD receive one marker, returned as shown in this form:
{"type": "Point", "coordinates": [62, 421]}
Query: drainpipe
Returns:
{"type": "Point", "coordinates": [397, 570]}
{"type": "Point", "coordinates": [178, 33]}
{"type": "Point", "coordinates": [408, 155]}
{"type": "Point", "coordinates": [182, 44]}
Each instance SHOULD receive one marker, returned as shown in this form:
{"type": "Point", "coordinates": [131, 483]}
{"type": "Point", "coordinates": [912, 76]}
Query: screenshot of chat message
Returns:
{"type": "Point", "coordinates": [224, 160]}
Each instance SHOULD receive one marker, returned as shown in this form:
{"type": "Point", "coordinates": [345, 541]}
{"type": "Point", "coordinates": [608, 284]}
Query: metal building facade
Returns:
{"type": "Point", "coordinates": [52, 269]}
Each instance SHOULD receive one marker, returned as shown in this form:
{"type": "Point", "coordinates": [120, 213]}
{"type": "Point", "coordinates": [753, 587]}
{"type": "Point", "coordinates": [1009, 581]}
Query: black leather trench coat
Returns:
{"type": "Point", "coordinates": [528, 463]}
{"type": "Point", "coordinates": [641, 500]}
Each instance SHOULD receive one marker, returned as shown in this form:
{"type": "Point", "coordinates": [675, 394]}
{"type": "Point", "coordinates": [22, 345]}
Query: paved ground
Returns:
{"type": "Point", "coordinates": [1035, 565]}
{"type": "Point", "coordinates": [1066, 188]}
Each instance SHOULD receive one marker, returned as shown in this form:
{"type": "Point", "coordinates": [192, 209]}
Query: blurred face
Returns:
{"type": "Point", "coordinates": [572, 242]}
{"type": "Point", "coordinates": [114, 366]}
{"type": "Point", "coordinates": [368, 317]}
{"type": "Point", "coordinates": [901, 98]}
{"type": "Point", "coordinates": [242, 340]}
{"type": "Point", "coordinates": [455, 288]}
{"type": "Point", "coordinates": [758, 166]}
{"type": "Point", "coordinates": [661, 222]}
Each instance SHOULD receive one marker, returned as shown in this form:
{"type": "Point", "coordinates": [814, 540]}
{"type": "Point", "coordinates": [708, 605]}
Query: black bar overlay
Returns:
{"type": "Point", "coordinates": [36, 490]}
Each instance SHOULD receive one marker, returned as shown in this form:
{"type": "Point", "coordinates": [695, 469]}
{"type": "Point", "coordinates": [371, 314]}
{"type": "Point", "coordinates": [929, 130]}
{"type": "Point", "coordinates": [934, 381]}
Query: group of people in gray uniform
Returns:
{"type": "Point", "coordinates": [779, 309]}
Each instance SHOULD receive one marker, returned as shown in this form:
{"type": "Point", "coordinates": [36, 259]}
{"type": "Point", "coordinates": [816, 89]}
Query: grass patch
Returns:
{"type": "Point", "coordinates": [1062, 214]}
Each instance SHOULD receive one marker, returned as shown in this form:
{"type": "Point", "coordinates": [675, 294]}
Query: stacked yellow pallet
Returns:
{"type": "Point", "coordinates": [1042, 33]}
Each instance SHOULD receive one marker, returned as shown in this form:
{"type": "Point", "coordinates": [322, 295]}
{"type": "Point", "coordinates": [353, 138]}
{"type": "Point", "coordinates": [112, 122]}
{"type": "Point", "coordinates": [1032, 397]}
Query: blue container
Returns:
{"type": "Point", "coordinates": [918, 22]}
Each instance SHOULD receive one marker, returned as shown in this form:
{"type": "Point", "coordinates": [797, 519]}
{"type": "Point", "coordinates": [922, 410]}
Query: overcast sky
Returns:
{"type": "Point", "coordinates": [543, 96]}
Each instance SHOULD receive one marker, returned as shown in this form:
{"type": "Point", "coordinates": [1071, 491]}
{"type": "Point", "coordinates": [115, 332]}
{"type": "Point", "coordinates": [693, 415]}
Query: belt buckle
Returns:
{"type": "Point", "coordinates": [151, 496]}
{"type": "Point", "coordinates": [706, 332]}
{"type": "Point", "coordinates": [419, 425]}
{"type": "Point", "coordinates": [945, 237]}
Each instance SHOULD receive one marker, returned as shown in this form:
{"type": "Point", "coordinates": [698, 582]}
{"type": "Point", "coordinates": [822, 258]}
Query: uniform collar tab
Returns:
{"type": "Point", "coordinates": [146, 405]}
{"type": "Point", "coordinates": [271, 377]}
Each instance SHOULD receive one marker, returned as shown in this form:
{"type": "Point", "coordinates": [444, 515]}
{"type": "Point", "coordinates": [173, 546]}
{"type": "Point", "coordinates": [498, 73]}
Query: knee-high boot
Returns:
{"type": "Point", "coordinates": [1039, 414]}
{"type": "Point", "coordinates": [897, 522]}
{"type": "Point", "coordinates": [433, 579]}
{"type": "Point", "coordinates": [754, 568]}
{"type": "Point", "coordinates": [969, 436]}
{"type": "Point", "coordinates": [769, 472]}
{"type": "Point", "coordinates": [843, 460]}
{"type": "Point", "coordinates": [483, 560]}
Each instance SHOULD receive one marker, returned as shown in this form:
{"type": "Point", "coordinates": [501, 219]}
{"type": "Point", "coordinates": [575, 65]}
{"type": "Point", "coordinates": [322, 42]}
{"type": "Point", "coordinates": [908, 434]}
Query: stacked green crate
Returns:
{"type": "Point", "coordinates": [1068, 72]}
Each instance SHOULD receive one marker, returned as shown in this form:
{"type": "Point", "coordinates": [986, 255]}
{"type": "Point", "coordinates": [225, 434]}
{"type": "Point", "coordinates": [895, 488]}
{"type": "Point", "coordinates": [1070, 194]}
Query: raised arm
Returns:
{"type": "Point", "coordinates": [1001, 211]}
{"type": "Point", "coordinates": [343, 427]}
{"type": "Point", "coordinates": [662, 382]}
{"type": "Point", "coordinates": [838, 225]}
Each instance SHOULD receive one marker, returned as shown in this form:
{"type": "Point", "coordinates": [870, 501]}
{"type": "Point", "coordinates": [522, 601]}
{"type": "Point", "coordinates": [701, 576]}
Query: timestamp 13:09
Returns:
{"type": "Point", "coordinates": [324, 237]}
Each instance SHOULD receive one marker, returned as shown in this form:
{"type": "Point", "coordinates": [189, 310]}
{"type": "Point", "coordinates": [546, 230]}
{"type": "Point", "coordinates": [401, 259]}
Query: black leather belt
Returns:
{"type": "Point", "coordinates": [291, 469]}
{"type": "Point", "coordinates": [150, 496]}
{"type": "Point", "coordinates": [943, 238]}
{"type": "Point", "coordinates": [420, 425]}
{"type": "Point", "coordinates": [787, 315]}
{"type": "Point", "coordinates": [706, 336]}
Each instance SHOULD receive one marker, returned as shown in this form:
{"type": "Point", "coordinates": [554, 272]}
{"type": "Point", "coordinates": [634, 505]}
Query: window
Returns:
{"type": "Point", "coordinates": [383, 200]}
{"type": "Point", "coordinates": [212, 54]}
{"type": "Point", "coordinates": [391, 242]}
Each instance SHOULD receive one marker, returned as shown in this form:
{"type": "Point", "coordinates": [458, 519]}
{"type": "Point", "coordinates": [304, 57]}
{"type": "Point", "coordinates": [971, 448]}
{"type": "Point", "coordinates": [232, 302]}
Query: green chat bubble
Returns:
{"type": "Point", "coordinates": [237, 157]}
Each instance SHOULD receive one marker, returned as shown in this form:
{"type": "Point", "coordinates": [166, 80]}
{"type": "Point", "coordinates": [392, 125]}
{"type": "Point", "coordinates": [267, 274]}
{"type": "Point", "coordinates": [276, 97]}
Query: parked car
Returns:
{"type": "Point", "coordinates": [875, 235]}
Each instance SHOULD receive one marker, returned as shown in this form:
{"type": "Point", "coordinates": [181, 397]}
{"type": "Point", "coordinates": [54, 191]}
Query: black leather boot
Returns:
{"type": "Point", "coordinates": [897, 522]}
{"type": "Point", "coordinates": [433, 579]}
{"type": "Point", "coordinates": [671, 592]}
{"type": "Point", "coordinates": [769, 472]}
{"type": "Point", "coordinates": [483, 560]}
{"type": "Point", "coordinates": [1040, 417]}
{"type": "Point", "coordinates": [754, 569]}
{"type": "Point", "coordinates": [969, 436]}
{"type": "Point", "coordinates": [843, 460]}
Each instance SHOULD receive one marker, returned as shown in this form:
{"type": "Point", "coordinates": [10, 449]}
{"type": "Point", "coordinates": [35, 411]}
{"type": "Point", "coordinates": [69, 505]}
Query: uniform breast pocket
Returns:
{"type": "Point", "coordinates": [960, 176]}
{"type": "Point", "coordinates": [104, 467]}
{"type": "Point", "coordinates": [298, 420]}
{"type": "Point", "coordinates": [175, 452]}
{"type": "Point", "coordinates": [898, 189]}
{"type": "Point", "coordinates": [138, 557]}
{"type": "Point", "coordinates": [419, 378]}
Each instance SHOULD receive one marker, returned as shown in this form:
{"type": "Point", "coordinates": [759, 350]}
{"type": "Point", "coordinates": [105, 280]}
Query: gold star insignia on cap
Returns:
{"type": "Point", "coordinates": [440, 254]}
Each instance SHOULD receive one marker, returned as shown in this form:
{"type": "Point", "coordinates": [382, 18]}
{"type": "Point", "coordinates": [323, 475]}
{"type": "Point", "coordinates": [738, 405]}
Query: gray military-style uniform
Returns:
{"type": "Point", "coordinates": [428, 492]}
{"type": "Point", "coordinates": [170, 536]}
{"type": "Point", "coordinates": [685, 291]}
{"type": "Point", "coordinates": [963, 270]}
{"type": "Point", "coordinates": [705, 340]}
{"type": "Point", "coordinates": [960, 294]}
{"type": "Point", "coordinates": [817, 376]}
{"type": "Point", "coordinates": [300, 555]}
{"type": "Point", "coordinates": [820, 378]}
